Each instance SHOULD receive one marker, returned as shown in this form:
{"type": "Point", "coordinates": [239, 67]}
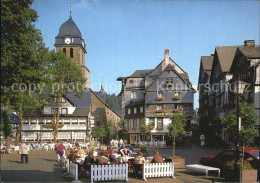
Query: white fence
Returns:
{"type": "Point", "coordinates": [73, 171]}
{"type": "Point", "coordinates": [109, 172]}
{"type": "Point", "coordinates": [158, 170]}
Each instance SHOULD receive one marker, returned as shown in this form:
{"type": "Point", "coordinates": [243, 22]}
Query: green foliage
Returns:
{"type": "Point", "coordinates": [22, 55]}
{"type": "Point", "coordinates": [110, 128]}
{"type": "Point", "coordinates": [143, 148]}
{"type": "Point", "coordinates": [144, 130]}
{"type": "Point", "coordinates": [6, 124]}
{"type": "Point", "coordinates": [122, 133]}
{"type": "Point", "coordinates": [113, 101]}
{"type": "Point", "coordinates": [62, 77]}
{"type": "Point", "coordinates": [248, 119]}
{"type": "Point", "coordinates": [99, 132]}
{"type": "Point", "coordinates": [244, 165]}
{"type": "Point", "coordinates": [177, 127]}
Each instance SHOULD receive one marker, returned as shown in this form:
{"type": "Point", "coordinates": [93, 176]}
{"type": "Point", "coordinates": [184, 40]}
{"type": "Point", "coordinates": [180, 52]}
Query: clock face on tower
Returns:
{"type": "Point", "coordinates": [67, 40]}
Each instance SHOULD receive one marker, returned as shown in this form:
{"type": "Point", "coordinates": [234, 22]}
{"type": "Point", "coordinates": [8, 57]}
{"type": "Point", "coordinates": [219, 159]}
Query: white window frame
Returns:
{"type": "Point", "coordinates": [129, 111]}
{"type": "Point", "coordinates": [133, 95]}
{"type": "Point", "coordinates": [159, 107]}
{"type": "Point", "coordinates": [159, 122]}
{"type": "Point", "coordinates": [141, 109]}
{"type": "Point", "coordinates": [135, 110]}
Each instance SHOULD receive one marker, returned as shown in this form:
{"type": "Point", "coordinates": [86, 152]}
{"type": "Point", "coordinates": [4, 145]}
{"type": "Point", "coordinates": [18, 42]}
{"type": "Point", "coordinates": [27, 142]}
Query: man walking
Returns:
{"type": "Point", "coordinates": [23, 151]}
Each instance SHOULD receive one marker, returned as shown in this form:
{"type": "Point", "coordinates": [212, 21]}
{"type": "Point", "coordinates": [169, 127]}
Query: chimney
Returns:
{"type": "Point", "coordinates": [249, 43]}
{"type": "Point", "coordinates": [166, 59]}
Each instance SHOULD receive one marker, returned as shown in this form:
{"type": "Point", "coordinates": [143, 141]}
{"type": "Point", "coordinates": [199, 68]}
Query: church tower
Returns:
{"type": "Point", "coordinates": [70, 41]}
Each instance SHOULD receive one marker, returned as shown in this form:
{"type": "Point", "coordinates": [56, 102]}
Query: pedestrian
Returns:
{"type": "Point", "coordinates": [202, 140]}
{"type": "Point", "coordinates": [60, 151]}
{"type": "Point", "coordinates": [23, 151]}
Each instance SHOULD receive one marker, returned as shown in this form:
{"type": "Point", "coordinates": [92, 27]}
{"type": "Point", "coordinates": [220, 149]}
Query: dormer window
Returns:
{"type": "Point", "coordinates": [64, 111]}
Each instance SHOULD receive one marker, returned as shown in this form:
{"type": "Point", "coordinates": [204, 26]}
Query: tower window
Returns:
{"type": "Point", "coordinates": [64, 51]}
{"type": "Point", "coordinates": [71, 52]}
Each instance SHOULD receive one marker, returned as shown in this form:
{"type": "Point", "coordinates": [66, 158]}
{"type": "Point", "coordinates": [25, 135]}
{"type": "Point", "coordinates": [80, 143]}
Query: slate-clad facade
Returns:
{"type": "Point", "coordinates": [230, 63]}
{"type": "Point", "coordinates": [155, 94]}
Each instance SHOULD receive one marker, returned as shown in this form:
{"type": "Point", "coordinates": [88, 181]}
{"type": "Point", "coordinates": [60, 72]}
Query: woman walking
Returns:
{"type": "Point", "coordinates": [23, 151]}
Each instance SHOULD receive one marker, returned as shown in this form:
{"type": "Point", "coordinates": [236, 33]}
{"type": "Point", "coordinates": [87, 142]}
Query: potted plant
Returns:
{"type": "Point", "coordinates": [248, 174]}
{"type": "Point", "coordinates": [179, 161]}
{"type": "Point", "coordinates": [177, 97]}
{"type": "Point", "coordinates": [143, 149]}
{"type": "Point", "coordinates": [151, 127]}
{"type": "Point", "coordinates": [160, 98]}
{"type": "Point", "coordinates": [159, 128]}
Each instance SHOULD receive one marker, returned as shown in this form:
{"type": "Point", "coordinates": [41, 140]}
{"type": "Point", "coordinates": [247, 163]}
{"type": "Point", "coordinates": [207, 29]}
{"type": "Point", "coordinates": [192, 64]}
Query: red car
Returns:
{"type": "Point", "coordinates": [219, 161]}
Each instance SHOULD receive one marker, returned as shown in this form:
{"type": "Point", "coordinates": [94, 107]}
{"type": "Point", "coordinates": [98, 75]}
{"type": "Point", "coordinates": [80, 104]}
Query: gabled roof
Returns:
{"type": "Point", "coordinates": [83, 102]}
{"type": "Point", "coordinates": [140, 73]}
{"type": "Point", "coordinates": [104, 102]}
{"type": "Point", "coordinates": [250, 52]}
{"type": "Point", "coordinates": [207, 62]}
{"type": "Point", "coordinates": [226, 55]}
{"type": "Point", "coordinates": [170, 67]}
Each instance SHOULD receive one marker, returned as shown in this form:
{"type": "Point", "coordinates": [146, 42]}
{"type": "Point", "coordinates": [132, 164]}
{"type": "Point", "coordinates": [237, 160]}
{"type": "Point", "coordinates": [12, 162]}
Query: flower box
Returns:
{"type": "Point", "coordinates": [158, 111]}
{"type": "Point", "coordinates": [159, 128]}
{"type": "Point", "coordinates": [249, 175]}
{"type": "Point", "coordinates": [151, 127]}
{"type": "Point", "coordinates": [160, 98]}
{"type": "Point", "coordinates": [168, 84]}
{"type": "Point", "coordinates": [177, 97]}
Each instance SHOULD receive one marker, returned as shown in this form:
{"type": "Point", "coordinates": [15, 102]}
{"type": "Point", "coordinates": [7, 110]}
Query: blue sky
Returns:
{"type": "Point", "coordinates": [124, 36]}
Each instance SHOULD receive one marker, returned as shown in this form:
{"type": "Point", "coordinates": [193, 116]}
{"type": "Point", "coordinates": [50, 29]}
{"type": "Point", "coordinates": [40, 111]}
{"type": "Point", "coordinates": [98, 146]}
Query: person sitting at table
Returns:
{"type": "Point", "coordinates": [74, 156]}
{"type": "Point", "coordinates": [94, 152]}
{"type": "Point", "coordinates": [109, 150]}
{"type": "Point", "coordinates": [125, 152]}
{"type": "Point", "coordinates": [102, 159]}
{"type": "Point", "coordinates": [112, 157]}
{"type": "Point", "coordinates": [82, 151]}
{"type": "Point", "coordinates": [157, 158]}
{"type": "Point", "coordinates": [139, 159]}
{"type": "Point", "coordinates": [89, 160]}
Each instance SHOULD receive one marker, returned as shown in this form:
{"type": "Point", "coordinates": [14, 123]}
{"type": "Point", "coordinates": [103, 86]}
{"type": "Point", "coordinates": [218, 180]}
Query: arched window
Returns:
{"type": "Point", "coordinates": [71, 52]}
{"type": "Point", "coordinates": [64, 51]}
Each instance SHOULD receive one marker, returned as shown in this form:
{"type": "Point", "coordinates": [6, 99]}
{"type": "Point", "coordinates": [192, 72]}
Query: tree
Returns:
{"type": "Point", "coordinates": [22, 53]}
{"type": "Point", "coordinates": [177, 127]}
{"type": "Point", "coordinates": [248, 120]}
{"type": "Point", "coordinates": [110, 129]}
{"type": "Point", "coordinates": [122, 132]}
{"type": "Point", "coordinates": [63, 77]}
{"type": "Point", "coordinates": [99, 132]}
{"type": "Point", "coordinates": [6, 127]}
{"type": "Point", "coordinates": [144, 130]}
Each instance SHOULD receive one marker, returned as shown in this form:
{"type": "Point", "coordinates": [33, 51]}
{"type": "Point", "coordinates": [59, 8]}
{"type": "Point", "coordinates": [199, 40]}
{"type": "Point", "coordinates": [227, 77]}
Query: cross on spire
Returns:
{"type": "Point", "coordinates": [70, 6]}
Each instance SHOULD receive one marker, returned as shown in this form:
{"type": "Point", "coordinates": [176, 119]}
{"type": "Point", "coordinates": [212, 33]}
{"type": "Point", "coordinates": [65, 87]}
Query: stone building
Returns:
{"type": "Point", "coordinates": [155, 94]}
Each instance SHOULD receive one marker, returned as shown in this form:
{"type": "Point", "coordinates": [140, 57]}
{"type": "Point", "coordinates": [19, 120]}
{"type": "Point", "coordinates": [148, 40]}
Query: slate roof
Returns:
{"type": "Point", "coordinates": [69, 28]}
{"type": "Point", "coordinates": [83, 102]}
{"type": "Point", "coordinates": [226, 55]}
{"type": "Point", "coordinates": [207, 62]}
{"type": "Point", "coordinates": [250, 52]}
{"type": "Point", "coordinates": [140, 73]}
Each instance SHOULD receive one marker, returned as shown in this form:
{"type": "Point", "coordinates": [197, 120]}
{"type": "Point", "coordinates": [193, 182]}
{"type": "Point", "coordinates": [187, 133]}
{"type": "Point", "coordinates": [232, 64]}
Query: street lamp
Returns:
{"type": "Point", "coordinates": [239, 87]}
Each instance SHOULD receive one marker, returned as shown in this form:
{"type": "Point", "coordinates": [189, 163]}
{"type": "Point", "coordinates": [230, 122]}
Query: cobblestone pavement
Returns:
{"type": "Point", "coordinates": [43, 167]}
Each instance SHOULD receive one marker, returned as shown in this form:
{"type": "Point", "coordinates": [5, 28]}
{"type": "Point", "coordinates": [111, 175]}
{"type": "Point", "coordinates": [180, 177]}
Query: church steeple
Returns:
{"type": "Point", "coordinates": [69, 40]}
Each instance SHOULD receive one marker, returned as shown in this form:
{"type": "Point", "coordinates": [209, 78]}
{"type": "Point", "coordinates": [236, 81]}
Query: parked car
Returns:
{"type": "Point", "coordinates": [219, 161]}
